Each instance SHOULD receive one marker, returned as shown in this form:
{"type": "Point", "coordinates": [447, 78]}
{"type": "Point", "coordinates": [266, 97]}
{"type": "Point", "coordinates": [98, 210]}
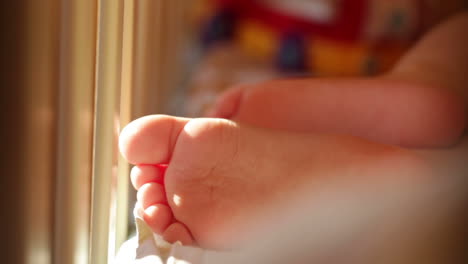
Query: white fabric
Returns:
{"type": "Point", "coordinates": [149, 248]}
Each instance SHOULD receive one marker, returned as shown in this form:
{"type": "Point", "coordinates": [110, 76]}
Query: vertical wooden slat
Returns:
{"type": "Point", "coordinates": [106, 129]}
{"type": "Point", "coordinates": [39, 73]}
{"type": "Point", "coordinates": [147, 47]}
{"type": "Point", "coordinates": [75, 130]}
{"type": "Point", "coordinates": [123, 183]}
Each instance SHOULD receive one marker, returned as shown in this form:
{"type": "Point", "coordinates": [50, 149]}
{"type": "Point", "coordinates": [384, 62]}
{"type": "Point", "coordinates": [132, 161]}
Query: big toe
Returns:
{"type": "Point", "coordinates": [226, 106]}
{"type": "Point", "coordinates": [150, 139]}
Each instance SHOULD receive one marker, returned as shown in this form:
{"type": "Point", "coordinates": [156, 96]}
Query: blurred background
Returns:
{"type": "Point", "coordinates": [74, 72]}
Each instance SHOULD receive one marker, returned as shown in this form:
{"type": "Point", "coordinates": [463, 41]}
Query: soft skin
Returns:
{"type": "Point", "coordinates": [223, 174]}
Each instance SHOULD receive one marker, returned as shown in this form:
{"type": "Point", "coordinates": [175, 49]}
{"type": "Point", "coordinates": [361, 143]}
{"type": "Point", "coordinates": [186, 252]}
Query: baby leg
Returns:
{"type": "Point", "coordinates": [421, 103]}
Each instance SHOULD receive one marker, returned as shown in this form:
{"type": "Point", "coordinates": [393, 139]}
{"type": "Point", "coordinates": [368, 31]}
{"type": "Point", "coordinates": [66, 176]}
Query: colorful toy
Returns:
{"type": "Point", "coordinates": [324, 37]}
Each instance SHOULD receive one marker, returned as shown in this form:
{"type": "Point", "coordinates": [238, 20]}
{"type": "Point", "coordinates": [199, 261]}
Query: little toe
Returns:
{"type": "Point", "coordinates": [150, 139]}
{"type": "Point", "coordinates": [158, 217]}
{"type": "Point", "coordinates": [143, 174]}
{"type": "Point", "coordinates": [150, 194]}
{"type": "Point", "coordinates": [178, 232]}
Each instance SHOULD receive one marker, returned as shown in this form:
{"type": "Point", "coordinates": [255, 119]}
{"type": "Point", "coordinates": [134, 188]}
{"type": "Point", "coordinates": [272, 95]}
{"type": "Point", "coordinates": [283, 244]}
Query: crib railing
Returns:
{"type": "Point", "coordinates": [87, 67]}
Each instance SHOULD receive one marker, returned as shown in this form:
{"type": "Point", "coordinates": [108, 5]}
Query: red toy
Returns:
{"type": "Point", "coordinates": [326, 37]}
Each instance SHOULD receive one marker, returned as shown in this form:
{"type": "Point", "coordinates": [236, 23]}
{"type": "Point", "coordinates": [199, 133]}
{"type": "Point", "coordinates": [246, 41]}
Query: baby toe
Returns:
{"type": "Point", "coordinates": [150, 139]}
{"type": "Point", "coordinates": [150, 194]}
{"type": "Point", "coordinates": [178, 232]}
{"type": "Point", "coordinates": [143, 174]}
{"type": "Point", "coordinates": [227, 104]}
{"type": "Point", "coordinates": [158, 217]}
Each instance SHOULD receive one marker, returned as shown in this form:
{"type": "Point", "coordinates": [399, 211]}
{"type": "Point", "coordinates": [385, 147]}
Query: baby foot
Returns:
{"type": "Point", "coordinates": [386, 110]}
{"type": "Point", "coordinates": [222, 176]}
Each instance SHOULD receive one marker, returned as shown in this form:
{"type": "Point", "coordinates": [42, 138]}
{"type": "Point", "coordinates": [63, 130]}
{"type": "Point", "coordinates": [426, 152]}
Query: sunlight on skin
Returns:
{"type": "Point", "coordinates": [177, 200]}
